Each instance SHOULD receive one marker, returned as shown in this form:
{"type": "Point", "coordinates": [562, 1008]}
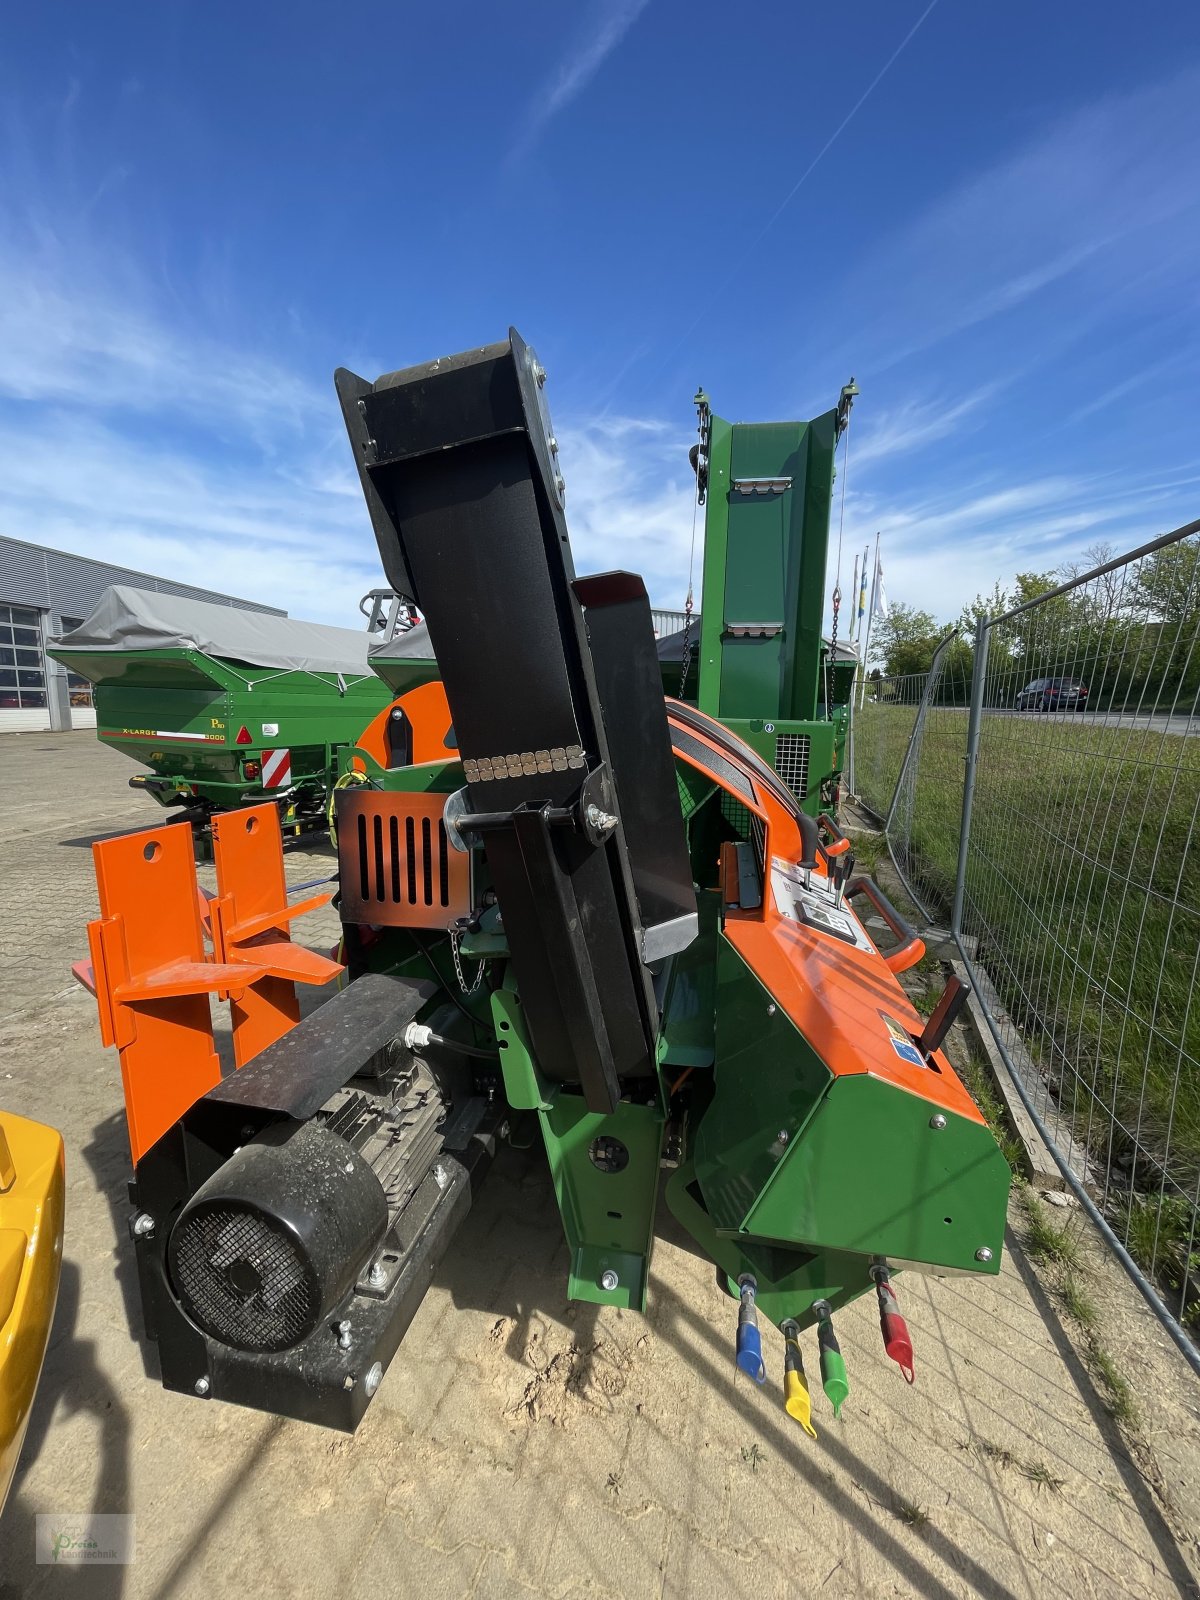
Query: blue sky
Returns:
{"type": "Point", "coordinates": [205, 208]}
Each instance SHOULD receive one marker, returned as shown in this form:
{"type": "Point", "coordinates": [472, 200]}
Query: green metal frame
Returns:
{"type": "Point", "coordinates": [608, 1217]}
{"type": "Point", "coordinates": [764, 563]}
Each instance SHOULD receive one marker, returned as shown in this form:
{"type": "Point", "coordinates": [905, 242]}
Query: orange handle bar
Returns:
{"type": "Point", "coordinates": [840, 842]}
{"type": "Point", "coordinates": [911, 948]}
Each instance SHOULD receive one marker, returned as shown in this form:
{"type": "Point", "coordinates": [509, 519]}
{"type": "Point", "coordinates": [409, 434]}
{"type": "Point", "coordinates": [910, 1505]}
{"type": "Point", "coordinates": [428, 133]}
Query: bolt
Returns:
{"type": "Point", "coordinates": [771, 1009]}
{"type": "Point", "coordinates": [143, 1225]}
{"type": "Point", "coordinates": [539, 374]}
{"type": "Point", "coordinates": [938, 1121]}
{"type": "Point", "coordinates": [373, 1378]}
{"type": "Point", "coordinates": [502, 1131]}
{"type": "Point", "coordinates": [201, 1385]}
{"type": "Point", "coordinates": [377, 1277]}
{"type": "Point", "coordinates": [602, 821]}
{"type": "Point", "coordinates": [782, 1136]}
{"type": "Point", "coordinates": [983, 1253]}
{"type": "Point", "coordinates": [441, 1176]}
{"type": "Point", "coordinates": [608, 1280]}
{"type": "Point", "coordinates": [343, 1333]}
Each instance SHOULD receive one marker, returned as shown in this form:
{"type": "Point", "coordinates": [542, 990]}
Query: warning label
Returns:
{"type": "Point", "coordinates": [901, 1041]}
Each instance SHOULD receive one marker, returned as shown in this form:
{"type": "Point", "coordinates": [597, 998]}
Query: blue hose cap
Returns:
{"type": "Point", "coordinates": [749, 1352]}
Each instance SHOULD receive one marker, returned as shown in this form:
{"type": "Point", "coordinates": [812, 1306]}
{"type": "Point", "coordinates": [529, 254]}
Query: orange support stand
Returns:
{"type": "Point", "coordinates": [249, 928]}
{"type": "Point", "coordinates": [151, 977]}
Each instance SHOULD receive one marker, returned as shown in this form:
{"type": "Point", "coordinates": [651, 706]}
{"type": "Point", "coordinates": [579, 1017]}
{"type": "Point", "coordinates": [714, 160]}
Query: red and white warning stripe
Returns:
{"type": "Point", "coordinates": [276, 769]}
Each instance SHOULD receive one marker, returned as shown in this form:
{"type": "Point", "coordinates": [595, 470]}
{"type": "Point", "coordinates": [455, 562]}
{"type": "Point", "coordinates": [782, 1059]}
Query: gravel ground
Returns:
{"type": "Point", "coordinates": [520, 1444]}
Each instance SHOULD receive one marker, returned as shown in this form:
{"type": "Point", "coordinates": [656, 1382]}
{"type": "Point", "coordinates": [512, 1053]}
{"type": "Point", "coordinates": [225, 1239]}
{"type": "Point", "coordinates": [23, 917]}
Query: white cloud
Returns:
{"type": "Point", "coordinates": [576, 70]}
{"type": "Point", "coordinates": [913, 423]}
{"type": "Point", "coordinates": [1105, 193]}
{"type": "Point", "coordinates": [943, 548]}
{"type": "Point", "coordinates": [630, 497]}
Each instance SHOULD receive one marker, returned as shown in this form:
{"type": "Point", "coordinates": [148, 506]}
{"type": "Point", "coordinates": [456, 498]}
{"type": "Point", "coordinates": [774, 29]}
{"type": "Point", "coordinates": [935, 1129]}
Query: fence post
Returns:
{"type": "Point", "coordinates": [978, 676]}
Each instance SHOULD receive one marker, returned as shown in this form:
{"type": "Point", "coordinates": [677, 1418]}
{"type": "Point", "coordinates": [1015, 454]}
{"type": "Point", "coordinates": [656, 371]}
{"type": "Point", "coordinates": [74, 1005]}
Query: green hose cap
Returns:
{"type": "Point", "coordinates": [833, 1378]}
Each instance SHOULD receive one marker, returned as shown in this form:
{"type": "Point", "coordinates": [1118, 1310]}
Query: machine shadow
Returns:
{"type": "Point", "coordinates": [484, 1269]}
{"type": "Point", "coordinates": [1138, 1489]}
{"type": "Point", "coordinates": [107, 1153]}
{"type": "Point", "coordinates": [72, 1381]}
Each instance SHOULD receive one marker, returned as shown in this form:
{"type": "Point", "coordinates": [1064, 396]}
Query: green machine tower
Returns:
{"type": "Point", "coordinates": [765, 671]}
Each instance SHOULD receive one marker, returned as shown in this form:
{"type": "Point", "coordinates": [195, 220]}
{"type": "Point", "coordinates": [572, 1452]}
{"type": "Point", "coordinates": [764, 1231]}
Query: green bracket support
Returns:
{"type": "Point", "coordinates": [604, 1166]}
{"type": "Point", "coordinates": [790, 1282]}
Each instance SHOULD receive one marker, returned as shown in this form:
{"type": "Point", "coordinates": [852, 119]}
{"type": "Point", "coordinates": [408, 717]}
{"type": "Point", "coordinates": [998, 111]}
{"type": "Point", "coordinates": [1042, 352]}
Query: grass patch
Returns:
{"type": "Point", "coordinates": [1120, 1396]}
{"type": "Point", "coordinates": [924, 1000]}
{"type": "Point", "coordinates": [869, 850]}
{"type": "Point", "coordinates": [1039, 1473]}
{"type": "Point", "coordinates": [1036, 1471]}
{"type": "Point", "coordinates": [1078, 1302]}
{"type": "Point", "coordinates": [1046, 1241]}
{"type": "Point", "coordinates": [910, 1513]}
{"type": "Point", "coordinates": [753, 1456]}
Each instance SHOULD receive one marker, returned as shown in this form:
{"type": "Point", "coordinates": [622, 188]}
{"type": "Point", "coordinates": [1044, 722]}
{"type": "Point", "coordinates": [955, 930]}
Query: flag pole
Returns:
{"type": "Point", "coordinates": [854, 602]}
{"type": "Point", "coordinates": [870, 620]}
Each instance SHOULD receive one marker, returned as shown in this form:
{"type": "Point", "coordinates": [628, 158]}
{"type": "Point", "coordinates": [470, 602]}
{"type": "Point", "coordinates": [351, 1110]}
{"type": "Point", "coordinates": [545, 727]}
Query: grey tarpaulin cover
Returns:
{"type": "Point", "coordinates": [142, 619]}
{"type": "Point", "coordinates": [411, 646]}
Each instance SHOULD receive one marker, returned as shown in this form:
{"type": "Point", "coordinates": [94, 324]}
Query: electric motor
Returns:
{"type": "Point", "coordinates": [273, 1241]}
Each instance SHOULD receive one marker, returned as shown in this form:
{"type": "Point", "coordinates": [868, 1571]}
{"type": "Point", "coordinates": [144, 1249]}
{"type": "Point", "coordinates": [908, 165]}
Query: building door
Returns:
{"type": "Point", "coordinates": [24, 703]}
{"type": "Point", "coordinates": [79, 690]}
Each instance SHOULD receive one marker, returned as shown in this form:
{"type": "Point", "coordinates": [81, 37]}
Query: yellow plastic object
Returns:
{"type": "Point", "coordinates": [796, 1398]}
{"type": "Point", "coordinates": [31, 1236]}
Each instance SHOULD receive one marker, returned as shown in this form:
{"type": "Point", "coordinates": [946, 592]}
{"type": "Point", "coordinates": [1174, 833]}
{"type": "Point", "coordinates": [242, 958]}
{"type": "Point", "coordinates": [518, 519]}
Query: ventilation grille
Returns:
{"type": "Point", "coordinates": [243, 1280]}
{"type": "Point", "coordinates": [791, 762]}
{"type": "Point", "coordinates": [407, 867]}
{"type": "Point", "coordinates": [397, 866]}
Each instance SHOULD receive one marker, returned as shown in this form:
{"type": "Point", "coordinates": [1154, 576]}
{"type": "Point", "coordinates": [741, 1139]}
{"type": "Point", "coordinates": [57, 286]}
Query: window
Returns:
{"type": "Point", "coordinates": [22, 669]}
{"type": "Point", "coordinates": [79, 689]}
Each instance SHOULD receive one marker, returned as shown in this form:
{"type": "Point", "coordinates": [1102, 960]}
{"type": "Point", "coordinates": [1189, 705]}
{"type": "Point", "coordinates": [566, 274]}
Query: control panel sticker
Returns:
{"type": "Point", "coordinates": [810, 899]}
{"type": "Point", "coordinates": [901, 1041]}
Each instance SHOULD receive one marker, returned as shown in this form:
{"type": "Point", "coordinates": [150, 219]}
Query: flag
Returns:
{"type": "Point", "coordinates": [881, 605]}
{"type": "Point", "coordinates": [862, 593]}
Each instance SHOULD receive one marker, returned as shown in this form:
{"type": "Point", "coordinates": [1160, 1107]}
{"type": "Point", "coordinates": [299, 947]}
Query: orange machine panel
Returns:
{"type": "Point", "coordinates": [249, 925]}
{"type": "Point", "coordinates": [396, 865]}
{"type": "Point", "coordinates": [152, 977]}
{"type": "Point", "coordinates": [843, 998]}
{"type": "Point", "coordinates": [428, 715]}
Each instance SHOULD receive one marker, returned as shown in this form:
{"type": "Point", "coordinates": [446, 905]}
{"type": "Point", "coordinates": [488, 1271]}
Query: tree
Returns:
{"type": "Point", "coordinates": [905, 640]}
{"type": "Point", "coordinates": [1168, 583]}
{"type": "Point", "coordinates": [984, 605]}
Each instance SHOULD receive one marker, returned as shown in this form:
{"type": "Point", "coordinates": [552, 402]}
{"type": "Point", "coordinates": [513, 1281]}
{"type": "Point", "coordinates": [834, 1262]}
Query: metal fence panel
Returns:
{"type": "Point", "coordinates": [926, 806]}
{"type": "Point", "coordinates": [1076, 893]}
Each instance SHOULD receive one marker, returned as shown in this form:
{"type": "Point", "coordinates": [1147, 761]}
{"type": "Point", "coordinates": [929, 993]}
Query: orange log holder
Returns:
{"type": "Point", "coordinates": [151, 973]}
{"type": "Point", "coordinates": [249, 928]}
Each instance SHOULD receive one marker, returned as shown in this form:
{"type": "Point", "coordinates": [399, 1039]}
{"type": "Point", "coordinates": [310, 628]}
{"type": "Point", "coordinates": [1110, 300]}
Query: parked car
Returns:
{"type": "Point", "coordinates": [1053, 694]}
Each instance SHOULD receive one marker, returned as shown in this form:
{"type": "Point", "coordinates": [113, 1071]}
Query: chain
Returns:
{"type": "Point", "coordinates": [455, 937]}
{"type": "Point", "coordinates": [700, 462]}
{"type": "Point", "coordinates": [687, 644]}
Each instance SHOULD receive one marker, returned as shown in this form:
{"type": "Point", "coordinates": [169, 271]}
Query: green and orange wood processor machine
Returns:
{"type": "Point", "coordinates": [562, 897]}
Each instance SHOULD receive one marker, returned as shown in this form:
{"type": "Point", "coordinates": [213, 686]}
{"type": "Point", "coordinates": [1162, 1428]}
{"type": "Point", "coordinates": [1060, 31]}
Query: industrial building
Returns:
{"type": "Point", "coordinates": [44, 592]}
